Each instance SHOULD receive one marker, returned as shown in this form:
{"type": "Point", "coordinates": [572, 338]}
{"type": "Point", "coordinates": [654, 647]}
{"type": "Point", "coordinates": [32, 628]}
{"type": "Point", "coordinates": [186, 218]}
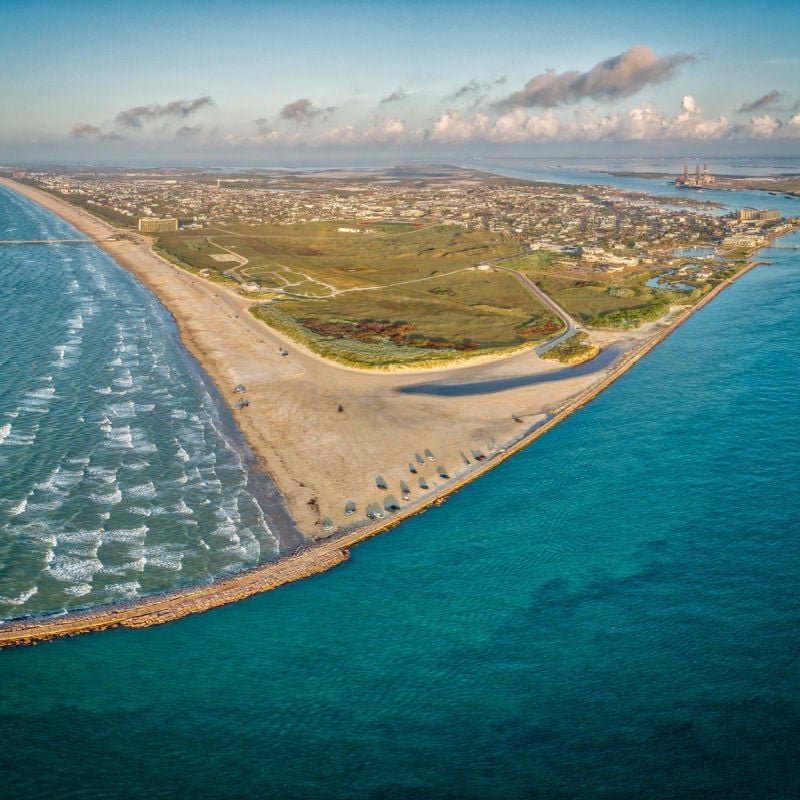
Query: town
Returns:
{"type": "Point", "coordinates": [608, 227]}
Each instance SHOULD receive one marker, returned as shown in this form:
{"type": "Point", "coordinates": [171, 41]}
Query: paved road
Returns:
{"type": "Point", "coordinates": [571, 326]}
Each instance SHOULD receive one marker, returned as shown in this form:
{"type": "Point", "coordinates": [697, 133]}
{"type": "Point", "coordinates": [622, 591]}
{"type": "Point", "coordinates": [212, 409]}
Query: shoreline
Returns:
{"type": "Point", "coordinates": [313, 560]}
{"type": "Point", "coordinates": [327, 551]}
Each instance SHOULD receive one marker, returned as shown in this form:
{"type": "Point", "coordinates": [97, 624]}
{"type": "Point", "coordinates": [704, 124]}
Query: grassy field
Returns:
{"type": "Point", "coordinates": [602, 299]}
{"type": "Point", "coordinates": [451, 317]}
{"type": "Point", "coordinates": [281, 257]}
{"type": "Point", "coordinates": [388, 295]}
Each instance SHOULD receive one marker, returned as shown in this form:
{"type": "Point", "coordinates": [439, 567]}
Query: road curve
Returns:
{"type": "Point", "coordinates": [571, 327]}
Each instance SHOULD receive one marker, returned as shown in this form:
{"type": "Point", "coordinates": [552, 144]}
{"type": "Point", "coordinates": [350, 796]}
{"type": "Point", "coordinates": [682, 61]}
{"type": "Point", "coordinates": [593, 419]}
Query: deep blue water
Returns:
{"type": "Point", "coordinates": [613, 613]}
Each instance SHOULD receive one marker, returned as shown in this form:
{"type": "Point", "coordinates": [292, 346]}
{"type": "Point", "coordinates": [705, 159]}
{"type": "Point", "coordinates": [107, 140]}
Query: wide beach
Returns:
{"type": "Point", "coordinates": [319, 457]}
{"type": "Point", "coordinates": [297, 432]}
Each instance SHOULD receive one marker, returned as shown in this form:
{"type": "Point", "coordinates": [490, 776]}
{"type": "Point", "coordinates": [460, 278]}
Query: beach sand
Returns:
{"type": "Point", "coordinates": [319, 457]}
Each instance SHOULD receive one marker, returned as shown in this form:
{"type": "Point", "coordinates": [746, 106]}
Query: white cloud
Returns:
{"type": "Point", "coordinates": [453, 127]}
{"type": "Point", "coordinates": [517, 126]}
{"type": "Point", "coordinates": [392, 129]}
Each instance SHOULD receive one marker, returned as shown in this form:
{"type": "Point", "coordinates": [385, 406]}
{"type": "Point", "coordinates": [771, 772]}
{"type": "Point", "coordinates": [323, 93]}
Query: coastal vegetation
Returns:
{"type": "Point", "coordinates": [470, 313]}
{"type": "Point", "coordinates": [377, 295]}
{"type": "Point", "coordinates": [576, 350]}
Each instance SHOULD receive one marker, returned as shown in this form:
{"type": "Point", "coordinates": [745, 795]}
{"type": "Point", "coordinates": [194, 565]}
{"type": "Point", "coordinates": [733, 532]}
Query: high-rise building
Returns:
{"type": "Point", "coordinates": [153, 225]}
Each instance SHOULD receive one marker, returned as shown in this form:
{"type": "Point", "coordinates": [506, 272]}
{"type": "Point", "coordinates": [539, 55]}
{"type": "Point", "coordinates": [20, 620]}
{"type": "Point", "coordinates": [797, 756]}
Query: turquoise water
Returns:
{"type": "Point", "coordinates": [613, 613]}
{"type": "Point", "coordinates": [116, 478]}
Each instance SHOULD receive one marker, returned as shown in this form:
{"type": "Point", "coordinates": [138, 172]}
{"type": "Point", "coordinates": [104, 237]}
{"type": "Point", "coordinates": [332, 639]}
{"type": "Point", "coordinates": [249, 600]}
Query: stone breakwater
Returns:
{"type": "Point", "coordinates": [312, 560]}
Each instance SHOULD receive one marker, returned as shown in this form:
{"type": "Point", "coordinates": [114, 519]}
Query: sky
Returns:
{"type": "Point", "coordinates": [268, 82]}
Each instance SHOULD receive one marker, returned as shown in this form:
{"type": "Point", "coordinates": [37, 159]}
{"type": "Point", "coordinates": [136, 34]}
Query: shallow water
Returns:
{"type": "Point", "coordinates": [116, 478]}
{"type": "Point", "coordinates": [613, 613]}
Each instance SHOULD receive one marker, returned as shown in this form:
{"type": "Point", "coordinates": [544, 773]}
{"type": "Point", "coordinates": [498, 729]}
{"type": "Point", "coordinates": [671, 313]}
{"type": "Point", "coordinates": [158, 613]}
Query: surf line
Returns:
{"type": "Point", "coordinates": [311, 559]}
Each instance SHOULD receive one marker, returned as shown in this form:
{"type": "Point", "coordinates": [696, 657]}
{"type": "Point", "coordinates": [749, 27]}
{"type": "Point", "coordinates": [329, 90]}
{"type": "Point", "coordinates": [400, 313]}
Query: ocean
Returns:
{"type": "Point", "coordinates": [612, 613]}
{"type": "Point", "coordinates": [118, 476]}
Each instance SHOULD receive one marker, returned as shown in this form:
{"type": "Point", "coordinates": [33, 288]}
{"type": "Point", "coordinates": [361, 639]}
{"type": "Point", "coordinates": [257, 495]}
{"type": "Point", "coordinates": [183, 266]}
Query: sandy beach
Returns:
{"type": "Point", "coordinates": [321, 458]}
{"type": "Point", "coordinates": [210, 321]}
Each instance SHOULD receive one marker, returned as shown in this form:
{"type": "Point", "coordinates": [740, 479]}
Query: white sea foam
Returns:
{"type": "Point", "coordinates": [121, 437]}
{"type": "Point", "coordinates": [105, 474]}
{"type": "Point", "coordinates": [144, 490]}
{"type": "Point", "coordinates": [108, 499]}
{"type": "Point", "coordinates": [20, 440]}
{"type": "Point", "coordinates": [82, 536]}
{"type": "Point", "coordinates": [182, 508]}
{"type": "Point", "coordinates": [123, 410]}
{"type": "Point", "coordinates": [104, 390]}
{"type": "Point", "coordinates": [125, 590]}
{"type": "Point", "coordinates": [42, 394]}
{"type": "Point", "coordinates": [142, 511]}
{"type": "Point", "coordinates": [125, 379]}
{"type": "Point", "coordinates": [137, 565]}
{"type": "Point", "coordinates": [78, 589]}
{"type": "Point", "coordinates": [127, 535]}
{"type": "Point", "coordinates": [45, 505]}
{"type": "Point", "coordinates": [4, 431]}
{"type": "Point", "coordinates": [71, 569]}
{"type": "Point", "coordinates": [20, 507]}
{"type": "Point", "coordinates": [161, 556]}
{"type": "Point", "coordinates": [21, 598]}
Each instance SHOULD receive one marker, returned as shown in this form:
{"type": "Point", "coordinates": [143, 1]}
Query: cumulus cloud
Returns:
{"type": "Point", "coordinates": [392, 130]}
{"type": "Point", "coordinates": [620, 76]}
{"type": "Point", "coordinates": [765, 101]}
{"type": "Point", "coordinates": [642, 122]}
{"type": "Point", "coordinates": [395, 97]}
{"type": "Point", "coordinates": [517, 126]}
{"type": "Point", "coordinates": [690, 123]}
{"type": "Point", "coordinates": [83, 130]}
{"type": "Point", "coordinates": [138, 116]}
{"type": "Point", "coordinates": [303, 111]}
{"type": "Point", "coordinates": [452, 126]}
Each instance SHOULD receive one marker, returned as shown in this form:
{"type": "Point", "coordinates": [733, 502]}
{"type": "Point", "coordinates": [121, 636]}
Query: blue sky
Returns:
{"type": "Point", "coordinates": [235, 79]}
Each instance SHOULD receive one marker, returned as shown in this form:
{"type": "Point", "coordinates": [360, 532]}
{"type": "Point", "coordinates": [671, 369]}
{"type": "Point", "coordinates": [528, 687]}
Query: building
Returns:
{"type": "Point", "coordinates": [757, 215]}
{"type": "Point", "coordinates": [696, 179]}
{"type": "Point", "coordinates": [153, 225]}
